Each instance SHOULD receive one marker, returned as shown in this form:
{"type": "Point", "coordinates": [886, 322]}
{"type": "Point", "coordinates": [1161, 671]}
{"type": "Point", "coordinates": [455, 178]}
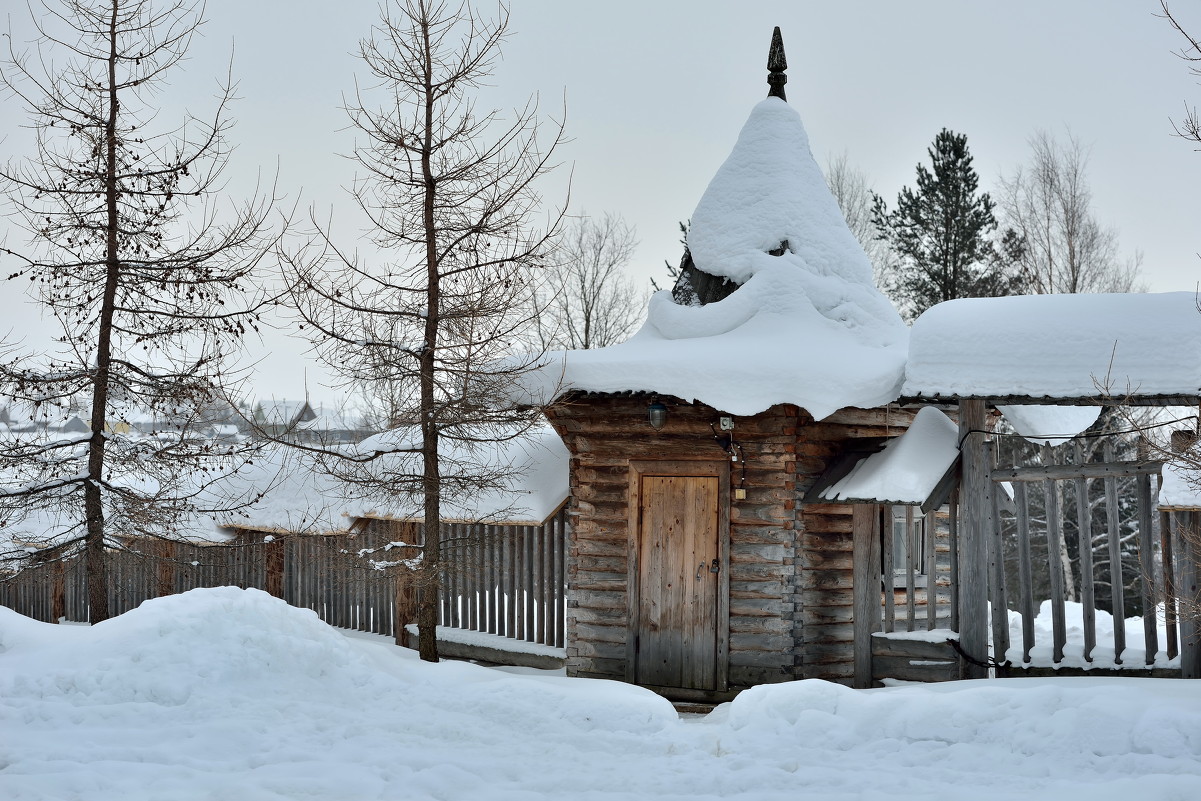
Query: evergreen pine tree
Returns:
{"type": "Point", "coordinates": [940, 232]}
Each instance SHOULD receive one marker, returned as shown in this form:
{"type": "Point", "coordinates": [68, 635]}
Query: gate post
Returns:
{"type": "Point", "coordinates": [1188, 555]}
{"type": "Point", "coordinates": [865, 525]}
{"type": "Point", "coordinates": [976, 524]}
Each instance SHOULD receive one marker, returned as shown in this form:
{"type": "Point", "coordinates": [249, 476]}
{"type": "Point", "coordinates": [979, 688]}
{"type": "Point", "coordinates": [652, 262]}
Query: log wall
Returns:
{"type": "Point", "coordinates": [823, 622]}
{"type": "Point", "coordinates": [790, 567]}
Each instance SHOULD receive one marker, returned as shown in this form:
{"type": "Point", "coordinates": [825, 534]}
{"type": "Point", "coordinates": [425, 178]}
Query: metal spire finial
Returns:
{"type": "Point", "coordinates": [776, 64]}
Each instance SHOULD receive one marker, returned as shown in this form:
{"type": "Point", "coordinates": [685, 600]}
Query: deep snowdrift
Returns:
{"type": "Point", "coordinates": [230, 694]}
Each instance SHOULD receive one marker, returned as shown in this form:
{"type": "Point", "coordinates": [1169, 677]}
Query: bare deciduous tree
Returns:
{"type": "Point", "coordinates": [1189, 128]}
{"type": "Point", "coordinates": [151, 286]}
{"type": "Point", "coordinates": [1048, 203]}
{"type": "Point", "coordinates": [1187, 454]}
{"type": "Point", "coordinates": [594, 303]}
{"type": "Point", "coordinates": [451, 197]}
{"type": "Point", "coordinates": [853, 191]}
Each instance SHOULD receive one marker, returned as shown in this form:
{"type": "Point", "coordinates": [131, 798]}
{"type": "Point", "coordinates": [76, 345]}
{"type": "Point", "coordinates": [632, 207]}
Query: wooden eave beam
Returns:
{"type": "Point", "coordinates": [1081, 400]}
{"type": "Point", "coordinates": [1061, 471]}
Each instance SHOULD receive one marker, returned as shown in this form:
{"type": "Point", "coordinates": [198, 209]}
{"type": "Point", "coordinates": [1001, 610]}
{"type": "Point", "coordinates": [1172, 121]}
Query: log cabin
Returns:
{"type": "Point", "coordinates": [699, 561]}
{"type": "Point", "coordinates": [760, 477]}
{"type": "Point", "coordinates": [723, 531]}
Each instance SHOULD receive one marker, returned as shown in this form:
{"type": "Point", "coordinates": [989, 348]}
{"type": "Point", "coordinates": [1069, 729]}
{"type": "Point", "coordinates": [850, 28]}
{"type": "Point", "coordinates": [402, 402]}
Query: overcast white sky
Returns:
{"type": "Point", "coordinates": [657, 91]}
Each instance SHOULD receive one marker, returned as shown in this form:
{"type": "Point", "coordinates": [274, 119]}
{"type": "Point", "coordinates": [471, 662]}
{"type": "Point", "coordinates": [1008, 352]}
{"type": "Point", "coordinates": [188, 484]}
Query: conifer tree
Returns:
{"type": "Point", "coordinates": [941, 232]}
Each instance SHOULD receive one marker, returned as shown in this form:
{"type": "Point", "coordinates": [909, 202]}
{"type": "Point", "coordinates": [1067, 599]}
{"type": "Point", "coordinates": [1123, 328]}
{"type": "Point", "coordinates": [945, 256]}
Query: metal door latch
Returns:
{"type": "Point", "coordinates": [715, 567]}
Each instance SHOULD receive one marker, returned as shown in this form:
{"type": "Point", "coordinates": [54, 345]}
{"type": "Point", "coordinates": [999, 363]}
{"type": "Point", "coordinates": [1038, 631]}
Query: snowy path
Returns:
{"type": "Point", "coordinates": [230, 694]}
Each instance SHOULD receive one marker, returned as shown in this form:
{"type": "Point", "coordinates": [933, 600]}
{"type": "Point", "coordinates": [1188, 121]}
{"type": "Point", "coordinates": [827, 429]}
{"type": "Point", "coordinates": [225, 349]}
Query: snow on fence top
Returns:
{"type": "Point", "coordinates": [1057, 347]}
{"type": "Point", "coordinates": [806, 327]}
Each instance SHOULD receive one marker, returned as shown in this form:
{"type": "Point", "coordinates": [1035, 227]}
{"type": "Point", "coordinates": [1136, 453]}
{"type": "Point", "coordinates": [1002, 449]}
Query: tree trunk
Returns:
{"type": "Point", "coordinates": [1070, 585]}
{"type": "Point", "coordinates": [405, 601]}
{"type": "Point", "coordinates": [58, 604]}
{"type": "Point", "coordinates": [95, 558]}
{"type": "Point", "coordinates": [431, 588]}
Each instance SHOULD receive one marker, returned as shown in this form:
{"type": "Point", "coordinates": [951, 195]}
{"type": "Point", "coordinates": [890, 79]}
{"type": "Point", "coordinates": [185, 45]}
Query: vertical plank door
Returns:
{"type": "Point", "coordinates": [678, 608]}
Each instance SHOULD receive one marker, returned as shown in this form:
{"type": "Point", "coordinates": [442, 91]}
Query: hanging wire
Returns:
{"type": "Point", "coordinates": [1080, 436]}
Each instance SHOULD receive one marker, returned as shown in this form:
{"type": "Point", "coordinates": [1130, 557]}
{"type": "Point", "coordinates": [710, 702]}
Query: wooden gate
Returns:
{"type": "Point", "coordinates": [679, 609]}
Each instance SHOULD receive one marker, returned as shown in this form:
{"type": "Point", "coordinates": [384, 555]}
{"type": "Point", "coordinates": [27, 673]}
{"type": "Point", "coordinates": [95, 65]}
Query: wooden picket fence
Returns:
{"type": "Point", "coordinates": [1126, 554]}
{"type": "Point", "coordinates": [502, 580]}
{"type": "Point", "coordinates": [1100, 513]}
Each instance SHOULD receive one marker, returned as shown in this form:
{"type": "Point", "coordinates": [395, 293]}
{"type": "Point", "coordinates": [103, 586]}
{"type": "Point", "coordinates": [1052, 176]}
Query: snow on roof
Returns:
{"type": "Point", "coordinates": [328, 421]}
{"type": "Point", "coordinates": [282, 412]}
{"type": "Point", "coordinates": [807, 327]}
{"type": "Point", "coordinates": [1057, 346]}
{"type": "Point", "coordinates": [299, 496]}
{"type": "Point", "coordinates": [289, 492]}
{"type": "Point", "coordinates": [534, 483]}
{"type": "Point", "coordinates": [282, 489]}
{"type": "Point", "coordinates": [1050, 425]}
{"type": "Point", "coordinates": [770, 190]}
{"type": "Point", "coordinates": [909, 468]}
{"type": "Point", "coordinates": [1180, 487]}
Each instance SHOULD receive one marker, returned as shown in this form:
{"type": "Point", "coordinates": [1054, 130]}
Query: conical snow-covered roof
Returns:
{"type": "Point", "coordinates": [770, 194]}
{"type": "Point", "coordinates": [805, 324]}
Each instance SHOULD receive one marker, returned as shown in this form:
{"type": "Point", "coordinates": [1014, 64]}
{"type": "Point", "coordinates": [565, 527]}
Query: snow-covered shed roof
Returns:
{"type": "Point", "coordinates": [284, 490]}
{"type": "Point", "coordinates": [1057, 347]}
{"type": "Point", "coordinates": [534, 482]}
{"type": "Point", "coordinates": [299, 496]}
{"type": "Point", "coordinates": [806, 327]}
{"type": "Point", "coordinates": [910, 468]}
{"type": "Point", "coordinates": [283, 412]}
{"type": "Point", "coordinates": [290, 493]}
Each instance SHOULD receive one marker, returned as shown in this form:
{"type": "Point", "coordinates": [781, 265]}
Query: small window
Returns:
{"type": "Point", "coordinates": [909, 544]}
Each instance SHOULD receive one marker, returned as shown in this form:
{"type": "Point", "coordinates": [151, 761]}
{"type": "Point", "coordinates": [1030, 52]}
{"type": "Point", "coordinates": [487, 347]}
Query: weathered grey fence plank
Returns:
{"type": "Point", "coordinates": [1051, 472]}
{"type": "Point", "coordinates": [887, 534]}
{"type": "Point", "coordinates": [560, 577]}
{"type": "Point", "coordinates": [1056, 561]}
{"type": "Point", "coordinates": [1146, 557]}
{"type": "Point", "coordinates": [930, 527]}
{"type": "Point", "coordinates": [1025, 570]}
{"type": "Point", "coordinates": [998, 600]}
{"type": "Point", "coordinates": [1169, 583]}
{"type": "Point", "coordinates": [912, 544]}
{"type": "Point", "coordinates": [1188, 586]}
{"type": "Point", "coordinates": [1116, 593]}
{"type": "Point", "coordinates": [1084, 535]}
{"type": "Point", "coordinates": [953, 544]}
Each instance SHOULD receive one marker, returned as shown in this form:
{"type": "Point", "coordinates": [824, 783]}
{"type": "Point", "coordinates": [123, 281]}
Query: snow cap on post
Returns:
{"type": "Point", "coordinates": [776, 64]}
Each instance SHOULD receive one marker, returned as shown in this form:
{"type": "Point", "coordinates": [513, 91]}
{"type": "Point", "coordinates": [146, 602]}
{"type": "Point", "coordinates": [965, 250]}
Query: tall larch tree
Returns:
{"type": "Point", "coordinates": [440, 318]}
{"type": "Point", "coordinates": [151, 284]}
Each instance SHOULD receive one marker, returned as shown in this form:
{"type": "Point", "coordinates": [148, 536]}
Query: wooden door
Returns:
{"type": "Point", "coordinates": [680, 574]}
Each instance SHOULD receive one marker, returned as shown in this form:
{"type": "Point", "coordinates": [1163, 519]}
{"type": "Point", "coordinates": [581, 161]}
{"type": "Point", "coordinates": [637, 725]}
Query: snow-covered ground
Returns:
{"type": "Point", "coordinates": [231, 694]}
